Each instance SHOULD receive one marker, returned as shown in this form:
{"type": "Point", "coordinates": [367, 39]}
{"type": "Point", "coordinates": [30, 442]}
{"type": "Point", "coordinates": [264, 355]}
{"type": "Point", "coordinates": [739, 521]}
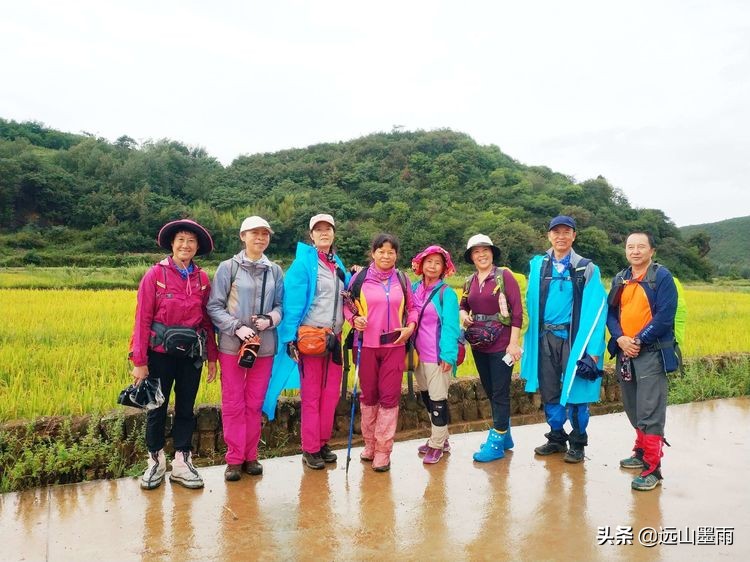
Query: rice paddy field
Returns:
{"type": "Point", "coordinates": [64, 351]}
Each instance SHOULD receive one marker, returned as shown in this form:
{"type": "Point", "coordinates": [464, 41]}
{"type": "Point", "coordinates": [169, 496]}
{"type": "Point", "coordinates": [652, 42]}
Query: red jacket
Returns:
{"type": "Point", "coordinates": [165, 297]}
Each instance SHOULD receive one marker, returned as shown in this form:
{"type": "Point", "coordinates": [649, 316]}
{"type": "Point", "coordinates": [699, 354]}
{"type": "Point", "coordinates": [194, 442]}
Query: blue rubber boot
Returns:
{"type": "Point", "coordinates": [493, 449]}
{"type": "Point", "coordinates": [507, 443]}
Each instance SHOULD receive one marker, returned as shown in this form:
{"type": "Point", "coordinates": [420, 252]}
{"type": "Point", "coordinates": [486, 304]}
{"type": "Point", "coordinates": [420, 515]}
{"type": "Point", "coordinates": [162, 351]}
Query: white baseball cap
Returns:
{"type": "Point", "coordinates": [321, 218]}
{"type": "Point", "coordinates": [255, 222]}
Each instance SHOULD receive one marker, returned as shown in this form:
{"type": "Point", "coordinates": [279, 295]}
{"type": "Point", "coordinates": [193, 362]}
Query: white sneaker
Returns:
{"type": "Point", "coordinates": [183, 471]}
{"type": "Point", "coordinates": [154, 474]}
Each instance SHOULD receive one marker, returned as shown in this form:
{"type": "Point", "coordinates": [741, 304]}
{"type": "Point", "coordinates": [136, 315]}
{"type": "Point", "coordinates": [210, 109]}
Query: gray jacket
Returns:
{"type": "Point", "coordinates": [231, 304]}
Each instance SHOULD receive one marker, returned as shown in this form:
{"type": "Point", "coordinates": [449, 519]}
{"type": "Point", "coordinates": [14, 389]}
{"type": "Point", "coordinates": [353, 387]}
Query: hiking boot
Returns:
{"type": "Point", "coordinates": [233, 472]}
{"type": "Point", "coordinates": [254, 468]}
{"type": "Point", "coordinates": [645, 483]}
{"type": "Point", "coordinates": [327, 455]}
{"type": "Point", "coordinates": [556, 443]}
{"type": "Point", "coordinates": [313, 460]}
{"type": "Point", "coordinates": [153, 476]}
{"type": "Point", "coordinates": [183, 471]}
{"type": "Point", "coordinates": [432, 456]}
{"type": "Point", "coordinates": [423, 449]}
{"type": "Point", "coordinates": [574, 454]}
{"type": "Point", "coordinates": [634, 462]}
{"type": "Point", "coordinates": [367, 455]}
{"type": "Point", "coordinates": [493, 448]}
{"type": "Point", "coordinates": [550, 447]}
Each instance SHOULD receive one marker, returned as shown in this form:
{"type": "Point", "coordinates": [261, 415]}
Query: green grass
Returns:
{"type": "Point", "coordinates": [708, 378]}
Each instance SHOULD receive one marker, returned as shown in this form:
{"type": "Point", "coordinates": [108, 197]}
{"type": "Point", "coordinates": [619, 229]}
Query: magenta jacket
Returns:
{"type": "Point", "coordinates": [384, 306]}
{"type": "Point", "coordinates": [165, 297]}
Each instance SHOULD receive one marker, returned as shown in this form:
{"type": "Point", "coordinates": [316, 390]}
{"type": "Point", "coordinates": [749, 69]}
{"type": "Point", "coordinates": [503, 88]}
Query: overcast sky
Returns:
{"type": "Point", "coordinates": [648, 94]}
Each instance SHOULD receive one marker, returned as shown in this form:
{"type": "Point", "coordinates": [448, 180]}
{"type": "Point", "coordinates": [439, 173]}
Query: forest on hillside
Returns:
{"type": "Point", "coordinates": [78, 199]}
{"type": "Point", "coordinates": [724, 244]}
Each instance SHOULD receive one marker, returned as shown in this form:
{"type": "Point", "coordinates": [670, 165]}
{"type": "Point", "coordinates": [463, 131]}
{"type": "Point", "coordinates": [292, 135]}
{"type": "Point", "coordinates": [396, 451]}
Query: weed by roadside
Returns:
{"type": "Point", "coordinates": [711, 377]}
{"type": "Point", "coordinates": [30, 457]}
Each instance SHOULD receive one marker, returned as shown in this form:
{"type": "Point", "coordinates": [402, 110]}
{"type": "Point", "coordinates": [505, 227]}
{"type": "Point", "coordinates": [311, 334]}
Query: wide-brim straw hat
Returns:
{"type": "Point", "coordinates": [168, 231]}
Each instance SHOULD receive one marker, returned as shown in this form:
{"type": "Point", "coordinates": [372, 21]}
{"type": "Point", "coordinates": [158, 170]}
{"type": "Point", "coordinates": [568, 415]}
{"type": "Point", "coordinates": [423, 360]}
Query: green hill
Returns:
{"type": "Point", "coordinates": [68, 199]}
{"type": "Point", "coordinates": [728, 245]}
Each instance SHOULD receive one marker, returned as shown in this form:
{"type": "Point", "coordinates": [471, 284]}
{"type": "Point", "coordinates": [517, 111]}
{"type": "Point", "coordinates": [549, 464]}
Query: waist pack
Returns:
{"type": "Point", "coordinates": [461, 349]}
{"type": "Point", "coordinates": [178, 341]}
{"type": "Point", "coordinates": [315, 341]}
{"type": "Point", "coordinates": [482, 335]}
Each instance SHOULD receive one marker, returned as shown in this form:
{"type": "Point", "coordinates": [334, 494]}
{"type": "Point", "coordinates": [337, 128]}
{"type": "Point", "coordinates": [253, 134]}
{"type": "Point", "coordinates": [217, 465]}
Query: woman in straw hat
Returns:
{"type": "Point", "coordinates": [172, 297]}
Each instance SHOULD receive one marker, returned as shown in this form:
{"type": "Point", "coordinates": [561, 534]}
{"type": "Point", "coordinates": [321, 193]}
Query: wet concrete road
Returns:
{"type": "Point", "coordinates": [518, 508]}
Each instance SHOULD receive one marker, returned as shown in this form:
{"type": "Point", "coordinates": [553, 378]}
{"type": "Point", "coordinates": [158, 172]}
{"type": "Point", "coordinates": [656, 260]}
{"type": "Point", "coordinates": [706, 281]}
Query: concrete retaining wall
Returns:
{"type": "Point", "coordinates": [469, 408]}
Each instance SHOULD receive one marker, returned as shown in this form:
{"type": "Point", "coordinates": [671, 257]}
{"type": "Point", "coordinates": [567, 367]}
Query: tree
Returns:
{"type": "Point", "coordinates": [701, 241]}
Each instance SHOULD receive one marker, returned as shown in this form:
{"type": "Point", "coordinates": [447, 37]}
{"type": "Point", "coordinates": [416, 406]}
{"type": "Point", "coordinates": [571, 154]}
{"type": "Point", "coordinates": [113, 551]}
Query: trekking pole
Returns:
{"type": "Point", "coordinates": [346, 366]}
{"type": "Point", "coordinates": [354, 404]}
{"type": "Point", "coordinates": [410, 371]}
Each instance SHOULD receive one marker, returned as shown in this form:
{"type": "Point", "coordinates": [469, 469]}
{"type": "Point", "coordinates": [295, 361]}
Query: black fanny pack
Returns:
{"type": "Point", "coordinates": [179, 341]}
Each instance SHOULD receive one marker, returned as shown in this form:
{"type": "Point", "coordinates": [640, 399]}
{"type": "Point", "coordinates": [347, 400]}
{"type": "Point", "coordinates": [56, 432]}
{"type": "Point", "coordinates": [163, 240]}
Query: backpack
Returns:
{"type": "Point", "coordinates": [504, 317]}
{"type": "Point", "coordinates": [650, 280]}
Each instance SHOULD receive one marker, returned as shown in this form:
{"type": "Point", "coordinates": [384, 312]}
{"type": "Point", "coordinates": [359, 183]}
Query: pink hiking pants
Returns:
{"type": "Point", "coordinates": [381, 370]}
{"type": "Point", "coordinates": [242, 395]}
{"type": "Point", "coordinates": [319, 392]}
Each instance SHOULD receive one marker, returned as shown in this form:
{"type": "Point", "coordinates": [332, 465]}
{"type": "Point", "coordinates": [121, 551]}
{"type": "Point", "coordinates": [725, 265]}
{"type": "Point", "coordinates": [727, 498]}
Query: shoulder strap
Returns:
{"type": "Point", "coordinates": [467, 286]}
{"type": "Point", "coordinates": [404, 282]}
{"type": "Point", "coordinates": [336, 299]}
{"type": "Point", "coordinates": [164, 271]}
{"type": "Point", "coordinates": [263, 290]}
{"type": "Point", "coordinates": [357, 283]}
{"type": "Point", "coordinates": [650, 277]}
{"type": "Point", "coordinates": [437, 289]}
{"type": "Point", "coordinates": [159, 284]}
{"type": "Point", "coordinates": [499, 280]}
{"type": "Point", "coordinates": [233, 275]}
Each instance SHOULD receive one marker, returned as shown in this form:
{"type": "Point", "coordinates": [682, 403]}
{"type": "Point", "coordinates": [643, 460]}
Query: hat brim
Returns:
{"type": "Point", "coordinates": [495, 254]}
{"type": "Point", "coordinates": [316, 223]}
{"type": "Point", "coordinates": [448, 270]}
{"type": "Point", "coordinates": [170, 230]}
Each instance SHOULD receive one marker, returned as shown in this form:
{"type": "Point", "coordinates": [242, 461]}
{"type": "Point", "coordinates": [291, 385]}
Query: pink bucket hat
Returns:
{"type": "Point", "coordinates": [416, 263]}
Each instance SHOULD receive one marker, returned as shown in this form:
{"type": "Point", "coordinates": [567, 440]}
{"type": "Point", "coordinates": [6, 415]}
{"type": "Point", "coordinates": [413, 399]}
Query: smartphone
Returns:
{"type": "Point", "coordinates": [389, 337]}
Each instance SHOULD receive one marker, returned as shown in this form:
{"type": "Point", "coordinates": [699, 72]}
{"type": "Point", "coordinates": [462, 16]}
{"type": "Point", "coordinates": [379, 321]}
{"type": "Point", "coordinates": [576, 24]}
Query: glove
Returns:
{"type": "Point", "coordinates": [244, 332]}
{"type": "Point", "coordinates": [261, 323]}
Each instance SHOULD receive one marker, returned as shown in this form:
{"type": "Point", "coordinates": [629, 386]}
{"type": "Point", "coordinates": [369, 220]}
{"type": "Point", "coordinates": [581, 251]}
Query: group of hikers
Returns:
{"type": "Point", "coordinates": [271, 331]}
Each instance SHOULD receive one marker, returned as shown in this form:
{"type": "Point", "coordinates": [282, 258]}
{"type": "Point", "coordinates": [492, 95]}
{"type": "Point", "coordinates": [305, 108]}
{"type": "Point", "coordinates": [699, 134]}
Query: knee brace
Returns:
{"type": "Point", "coordinates": [426, 400]}
{"type": "Point", "coordinates": [439, 412]}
